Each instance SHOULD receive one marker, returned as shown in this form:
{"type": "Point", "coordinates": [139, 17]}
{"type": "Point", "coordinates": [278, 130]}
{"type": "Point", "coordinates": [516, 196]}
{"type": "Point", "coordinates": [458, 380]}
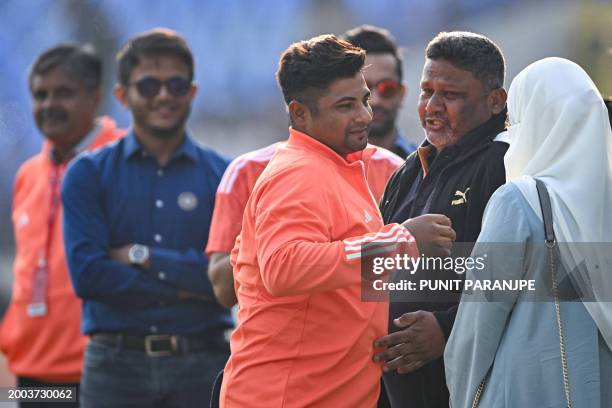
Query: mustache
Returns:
{"type": "Point", "coordinates": [358, 129]}
{"type": "Point", "coordinates": [435, 117]}
{"type": "Point", "coordinates": [164, 104]}
{"type": "Point", "coordinates": [53, 114]}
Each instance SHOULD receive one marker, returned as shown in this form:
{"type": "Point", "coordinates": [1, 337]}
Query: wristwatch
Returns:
{"type": "Point", "coordinates": [138, 254]}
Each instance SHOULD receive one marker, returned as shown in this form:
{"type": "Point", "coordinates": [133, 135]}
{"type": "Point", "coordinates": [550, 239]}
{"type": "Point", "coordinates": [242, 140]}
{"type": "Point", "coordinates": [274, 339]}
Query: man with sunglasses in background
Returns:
{"type": "Point", "coordinates": [137, 216]}
{"type": "Point", "coordinates": [383, 74]}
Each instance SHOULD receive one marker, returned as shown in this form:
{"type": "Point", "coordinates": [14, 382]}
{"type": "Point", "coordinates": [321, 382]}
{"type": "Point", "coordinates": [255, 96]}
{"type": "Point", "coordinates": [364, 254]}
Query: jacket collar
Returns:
{"type": "Point", "coordinates": [187, 148]}
{"type": "Point", "coordinates": [301, 140]}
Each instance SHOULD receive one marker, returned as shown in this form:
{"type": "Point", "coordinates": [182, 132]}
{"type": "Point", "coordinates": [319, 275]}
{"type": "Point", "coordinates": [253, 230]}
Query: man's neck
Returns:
{"type": "Point", "coordinates": [64, 151]}
{"type": "Point", "coordinates": [161, 148]}
{"type": "Point", "coordinates": [386, 141]}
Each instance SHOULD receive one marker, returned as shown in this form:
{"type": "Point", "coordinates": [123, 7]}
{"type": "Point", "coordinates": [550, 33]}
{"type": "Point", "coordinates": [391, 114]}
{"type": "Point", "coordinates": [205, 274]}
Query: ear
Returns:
{"type": "Point", "coordinates": [96, 98]}
{"type": "Point", "coordinates": [120, 92]}
{"type": "Point", "coordinates": [299, 114]}
{"type": "Point", "coordinates": [497, 100]}
{"type": "Point", "coordinates": [404, 90]}
{"type": "Point", "coordinates": [194, 90]}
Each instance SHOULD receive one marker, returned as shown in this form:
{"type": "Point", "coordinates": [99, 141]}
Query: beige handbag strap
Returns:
{"type": "Point", "coordinates": [551, 243]}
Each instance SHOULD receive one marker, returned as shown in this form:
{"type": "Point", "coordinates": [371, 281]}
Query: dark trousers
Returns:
{"type": "Point", "coordinates": [30, 382]}
{"type": "Point", "coordinates": [114, 377]}
{"type": "Point", "coordinates": [216, 391]}
{"type": "Point", "coordinates": [424, 388]}
{"type": "Point", "coordinates": [383, 398]}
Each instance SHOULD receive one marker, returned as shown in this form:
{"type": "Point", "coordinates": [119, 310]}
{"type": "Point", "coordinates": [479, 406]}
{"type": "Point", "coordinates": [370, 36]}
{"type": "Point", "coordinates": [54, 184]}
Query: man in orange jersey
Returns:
{"type": "Point", "coordinates": [384, 78]}
{"type": "Point", "coordinates": [231, 198]}
{"type": "Point", "coordinates": [304, 336]}
{"type": "Point", "coordinates": [40, 333]}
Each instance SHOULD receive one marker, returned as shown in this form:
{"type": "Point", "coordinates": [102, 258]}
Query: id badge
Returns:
{"type": "Point", "coordinates": [38, 303]}
{"type": "Point", "coordinates": [37, 309]}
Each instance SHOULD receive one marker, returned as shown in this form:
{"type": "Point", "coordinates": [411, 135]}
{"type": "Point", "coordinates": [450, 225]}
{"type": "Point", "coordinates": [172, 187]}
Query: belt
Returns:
{"type": "Point", "coordinates": [160, 345]}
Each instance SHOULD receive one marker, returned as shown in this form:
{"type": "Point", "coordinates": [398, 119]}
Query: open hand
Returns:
{"type": "Point", "coordinates": [420, 341]}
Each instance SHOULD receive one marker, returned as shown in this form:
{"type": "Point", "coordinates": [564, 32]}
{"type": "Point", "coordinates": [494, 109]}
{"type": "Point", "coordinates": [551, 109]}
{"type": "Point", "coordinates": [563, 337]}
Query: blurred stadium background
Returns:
{"type": "Point", "coordinates": [237, 44]}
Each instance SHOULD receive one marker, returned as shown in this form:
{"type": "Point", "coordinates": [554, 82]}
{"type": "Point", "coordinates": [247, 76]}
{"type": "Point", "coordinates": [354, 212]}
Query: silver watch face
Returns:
{"type": "Point", "coordinates": [138, 254]}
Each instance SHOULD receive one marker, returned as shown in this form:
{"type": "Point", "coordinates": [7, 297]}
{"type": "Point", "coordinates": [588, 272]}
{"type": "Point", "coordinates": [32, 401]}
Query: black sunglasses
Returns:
{"type": "Point", "coordinates": [149, 87]}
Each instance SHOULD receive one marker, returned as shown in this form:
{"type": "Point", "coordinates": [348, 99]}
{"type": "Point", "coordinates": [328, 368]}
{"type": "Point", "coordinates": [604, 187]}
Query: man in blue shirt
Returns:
{"type": "Point", "coordinates": [136, 220]}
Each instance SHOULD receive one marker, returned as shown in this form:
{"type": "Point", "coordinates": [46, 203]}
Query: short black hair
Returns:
{"type": "Point", "coordinates": [375, 40]}
{"type": "Point", "coordinates": [79, 61]}
{"type": "Point", "coordinates": [159, 41]}
{"type": "Point", "coordinates": [307, 68]}
{"type": "Point", "coordinates": [470, 52]}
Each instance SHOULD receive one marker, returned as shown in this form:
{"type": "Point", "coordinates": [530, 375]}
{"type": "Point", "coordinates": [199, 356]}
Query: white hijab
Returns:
{"type": "Point", "coordinates": [560, 133]}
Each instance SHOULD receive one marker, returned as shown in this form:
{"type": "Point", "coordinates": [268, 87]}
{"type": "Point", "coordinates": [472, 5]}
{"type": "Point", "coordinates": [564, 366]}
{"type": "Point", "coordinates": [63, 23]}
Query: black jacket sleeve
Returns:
{"type": "Point", "coordinates": [446, 319]}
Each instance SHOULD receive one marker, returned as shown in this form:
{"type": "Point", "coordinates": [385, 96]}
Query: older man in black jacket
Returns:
{"type": "Point", "coordinates": [454, 172]}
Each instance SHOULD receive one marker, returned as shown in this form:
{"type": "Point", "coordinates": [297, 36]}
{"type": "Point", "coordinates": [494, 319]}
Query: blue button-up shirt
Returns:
{"type": "Point", "coordinates": [121, 195]}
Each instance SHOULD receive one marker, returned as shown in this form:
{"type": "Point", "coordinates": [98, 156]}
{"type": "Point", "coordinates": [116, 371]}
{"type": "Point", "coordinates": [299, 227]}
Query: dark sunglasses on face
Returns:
{"type": "Point", "coordinates": [149, 87]}
{"type": "Point", "coordinates": [387, 88]}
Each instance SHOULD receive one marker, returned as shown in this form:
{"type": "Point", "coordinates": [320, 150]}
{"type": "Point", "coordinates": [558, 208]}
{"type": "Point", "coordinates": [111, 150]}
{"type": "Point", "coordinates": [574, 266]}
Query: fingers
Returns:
{"type": "Point", "coordinates": [407, 319]}
{"type": "Point", "coordinates": [115, 254]}
{"type": "Point", "coordinates": [410, 351]}
{"type": "Point", "coordinates": [444, 238]}
{"type": "Point", "coordinates": [431, 228]}
{"type": "Point", "coordinates": [390, 354]}
{"type": "Point", "coordinates": [445, 231]}
{"type": "Point", "coordinates": [410, 366]}
{"type": "Point", "coordinates": [404, 359]}
{"type": "Point", "coordinates": [402, 336]}
{"type": "Point", "coordinates": [440, 219]}
{"type": "Point", "coordinates": [393, 339]}
{"type": "Point", "coordinates": [453, 235]}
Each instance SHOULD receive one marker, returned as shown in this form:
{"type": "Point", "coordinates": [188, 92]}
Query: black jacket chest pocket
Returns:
{"type": "Point", "coordinates": [455, 204]}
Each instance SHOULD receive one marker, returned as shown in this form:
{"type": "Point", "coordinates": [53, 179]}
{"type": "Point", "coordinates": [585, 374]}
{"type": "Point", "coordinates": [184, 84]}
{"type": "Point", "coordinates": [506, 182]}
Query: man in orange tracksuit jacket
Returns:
{"type": "Point", "coordinates": [233, 193]}
{"type": "Point", "coordinates": [40, 333]}
{"type": "Point", "coordinates": [304, 336]}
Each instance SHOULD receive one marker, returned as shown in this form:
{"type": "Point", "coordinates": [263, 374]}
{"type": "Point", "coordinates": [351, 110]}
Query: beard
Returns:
{"type": "Point", "coordinates": [167, 132]}
{"type": "Point", "coordinates": [382, 129]}
{"type": "Point", "coordinates": [355, 145]}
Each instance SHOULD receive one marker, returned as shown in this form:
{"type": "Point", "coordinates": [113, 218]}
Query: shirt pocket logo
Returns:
{"type": "Point", "coordinates": [187, 201]}
{"type": "Point", "coordinates": [460, 197]}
